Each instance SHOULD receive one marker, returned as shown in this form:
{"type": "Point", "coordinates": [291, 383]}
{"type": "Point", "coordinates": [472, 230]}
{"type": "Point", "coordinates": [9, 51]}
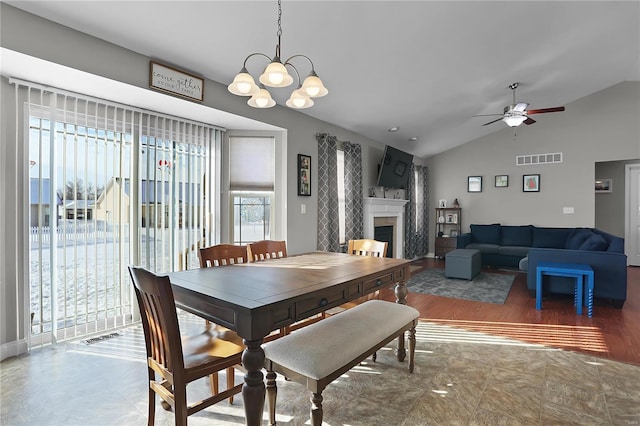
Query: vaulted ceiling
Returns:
{"type": "Point", "coordinates": [424, 66]}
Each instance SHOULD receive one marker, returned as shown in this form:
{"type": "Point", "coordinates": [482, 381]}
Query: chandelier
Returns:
{"type": "Point", "coordinates": [276, 75]}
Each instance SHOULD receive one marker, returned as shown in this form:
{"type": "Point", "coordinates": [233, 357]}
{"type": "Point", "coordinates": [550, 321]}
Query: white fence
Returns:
{"type": "Point", "coordinates": [76, 231]}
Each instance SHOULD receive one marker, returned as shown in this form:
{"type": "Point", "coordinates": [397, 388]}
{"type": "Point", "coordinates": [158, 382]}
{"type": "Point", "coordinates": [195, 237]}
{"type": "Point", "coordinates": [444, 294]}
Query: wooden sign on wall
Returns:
{"type": "Point", "coordinates": [176, 82]}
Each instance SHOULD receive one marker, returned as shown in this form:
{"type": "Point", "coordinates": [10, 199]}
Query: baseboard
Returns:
{"type": "Point", "coordinates": [11, 349]}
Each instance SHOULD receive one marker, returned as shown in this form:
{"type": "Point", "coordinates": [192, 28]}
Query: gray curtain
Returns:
{"type": "Point", "coordinates": [354, 228]}
{"type": "Point", "coordinates": [328, 226]}
{"type": "Point", "coordinates": [416, 213]}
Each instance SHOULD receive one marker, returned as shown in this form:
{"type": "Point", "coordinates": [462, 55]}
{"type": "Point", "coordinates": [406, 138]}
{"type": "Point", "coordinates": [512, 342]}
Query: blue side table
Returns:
{"type": "Point", "coordinates": [573, 270]}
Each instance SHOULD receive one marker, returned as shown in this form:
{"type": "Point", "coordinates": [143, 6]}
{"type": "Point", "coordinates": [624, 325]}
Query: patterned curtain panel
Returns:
{"type": "Point", "coordinates": [353, 191]}
{"type": "Point", "coordinates": [416, 213]}
{"type": "Point", "coordinates": [328, 226]}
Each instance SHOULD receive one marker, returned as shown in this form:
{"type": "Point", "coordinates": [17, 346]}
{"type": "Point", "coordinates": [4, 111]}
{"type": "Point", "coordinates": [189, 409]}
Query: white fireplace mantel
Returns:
{"type": "Point", "coordinates": [385, 208]}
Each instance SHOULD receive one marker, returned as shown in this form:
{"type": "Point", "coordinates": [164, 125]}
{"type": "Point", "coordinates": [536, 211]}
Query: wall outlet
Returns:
{"type": "Point", "coordinates": [567, 210]}
{"type": "Point", "coordinates": [303, 208]}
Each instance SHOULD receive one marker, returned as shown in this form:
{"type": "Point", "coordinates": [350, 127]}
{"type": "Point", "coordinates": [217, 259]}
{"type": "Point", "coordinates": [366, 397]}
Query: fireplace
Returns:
{"type": "Point", "coordinates": [386, 213]}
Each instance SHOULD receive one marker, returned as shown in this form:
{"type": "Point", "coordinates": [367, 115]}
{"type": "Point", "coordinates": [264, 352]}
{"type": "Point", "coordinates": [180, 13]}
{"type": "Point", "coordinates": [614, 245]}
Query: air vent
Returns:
{"type": "Point", "coordinates": [529, 160]}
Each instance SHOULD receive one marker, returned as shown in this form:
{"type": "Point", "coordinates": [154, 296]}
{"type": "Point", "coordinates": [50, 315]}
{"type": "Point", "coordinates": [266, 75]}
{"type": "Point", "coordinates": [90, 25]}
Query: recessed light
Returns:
{"type": "Point", "coordinates": [394, 129]}
{"type": "Point", "coordinates": [413, 139]}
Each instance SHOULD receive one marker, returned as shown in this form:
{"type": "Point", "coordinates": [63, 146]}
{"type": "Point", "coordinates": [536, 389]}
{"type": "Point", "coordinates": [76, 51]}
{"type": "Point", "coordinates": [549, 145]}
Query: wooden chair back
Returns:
{"type": "Point", "coordinates": [267, 249]}
{"type": "Point", "coordinates": [206, 355]}
{"type": "Point", "coordinates": [159, 321]}
{"type": "Point", "coordinates": [222, 255]}
{"type": "Point", "coordinates": [367, 248]}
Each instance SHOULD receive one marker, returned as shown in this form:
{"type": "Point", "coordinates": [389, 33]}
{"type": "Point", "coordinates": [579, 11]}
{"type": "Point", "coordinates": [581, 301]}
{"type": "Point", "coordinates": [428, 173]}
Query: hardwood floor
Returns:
{"type": "Point", "coordinates": [611, 333]}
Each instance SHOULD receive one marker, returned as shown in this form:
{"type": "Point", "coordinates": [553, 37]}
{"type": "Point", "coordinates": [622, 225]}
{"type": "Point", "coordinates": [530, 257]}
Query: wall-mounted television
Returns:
{"type": "Point", "coordinates": [394, 168]}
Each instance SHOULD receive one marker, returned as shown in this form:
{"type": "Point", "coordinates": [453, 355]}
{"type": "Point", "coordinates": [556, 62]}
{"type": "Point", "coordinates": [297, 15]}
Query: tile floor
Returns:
{"type": "Point", "coordinates": [461, 378]}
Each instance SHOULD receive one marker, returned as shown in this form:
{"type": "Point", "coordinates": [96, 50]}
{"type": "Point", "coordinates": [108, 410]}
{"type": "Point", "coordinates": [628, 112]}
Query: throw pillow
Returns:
{"type": "Point", "coordinates": [577, 237]}
{"type": "Point", "coordinates": [595, 243]}
{"type": "Point", "coordinates": [485, 234]}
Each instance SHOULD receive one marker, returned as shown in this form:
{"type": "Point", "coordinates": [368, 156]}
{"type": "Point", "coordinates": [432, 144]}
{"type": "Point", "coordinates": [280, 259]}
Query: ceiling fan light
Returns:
{"type": "Point", "coordinates": [313, 86]}
{"type": "Point", "coordinates": [243, 84]}
{"type": "Point", "coordinates": [514, 120]}
{"type": "Point", "coordinates": [276, 75]}
{"type": "Point", "coordinates": [262, 99]}
{"type": "Point", "coordinates": [299, 100]}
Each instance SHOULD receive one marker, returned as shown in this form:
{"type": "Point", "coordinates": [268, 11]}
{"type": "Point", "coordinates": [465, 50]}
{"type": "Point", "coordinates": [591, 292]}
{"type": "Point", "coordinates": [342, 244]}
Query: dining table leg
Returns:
{"type": "Point", "coordinates": [401, 297]}
{"type": "Point", "coordinates": [253, 390]}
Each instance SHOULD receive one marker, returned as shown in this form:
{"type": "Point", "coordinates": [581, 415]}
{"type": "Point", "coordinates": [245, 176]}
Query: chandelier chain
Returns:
{"type": "Point", "coordinates": [279, 19]}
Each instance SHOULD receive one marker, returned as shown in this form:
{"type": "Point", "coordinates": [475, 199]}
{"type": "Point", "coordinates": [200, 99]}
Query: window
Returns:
{"type": "Point", "coordinates": [251, 218]}
{"type": "Point", "coordinates": [109, 186]}
{"type": "Point", "coordinates": [251, 185]}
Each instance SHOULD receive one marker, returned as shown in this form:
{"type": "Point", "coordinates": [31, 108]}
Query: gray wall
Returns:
{"type": "Point", "coordinates": [598, 128]}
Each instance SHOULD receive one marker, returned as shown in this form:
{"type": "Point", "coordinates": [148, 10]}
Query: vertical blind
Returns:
{"type": "Point", "coordinates": [109, 185]}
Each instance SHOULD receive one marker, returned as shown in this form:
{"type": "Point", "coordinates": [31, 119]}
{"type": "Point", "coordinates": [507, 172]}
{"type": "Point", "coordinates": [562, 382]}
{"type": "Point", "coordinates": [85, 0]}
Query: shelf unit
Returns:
{"type": "Point", "coordinates": [448, 221]}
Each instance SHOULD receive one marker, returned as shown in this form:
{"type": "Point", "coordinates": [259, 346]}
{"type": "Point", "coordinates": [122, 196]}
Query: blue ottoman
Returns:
{"type": "Point", "coordinates": [462, 263]}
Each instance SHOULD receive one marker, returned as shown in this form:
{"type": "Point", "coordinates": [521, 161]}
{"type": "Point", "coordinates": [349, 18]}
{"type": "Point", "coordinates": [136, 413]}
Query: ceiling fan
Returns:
{"type": "Point", "coordinates": [517, 113]}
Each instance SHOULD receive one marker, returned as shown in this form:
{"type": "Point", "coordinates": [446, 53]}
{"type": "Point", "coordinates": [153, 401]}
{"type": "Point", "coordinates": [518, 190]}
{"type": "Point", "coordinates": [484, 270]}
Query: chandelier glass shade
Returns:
{"type": "Point", "coordinates": [276, 75]}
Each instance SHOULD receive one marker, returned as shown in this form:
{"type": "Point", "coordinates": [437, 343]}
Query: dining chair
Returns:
{"type": "Point", "coordinates": [215, 256]}
{"type": "Point", "coordinates": [222, 255]}
{"type": "Point", "coordinates": [267, 249]}
{"type": "Point", "coordinates": [367, 247]}
{"type": "Point", "coordinates": [173, 361]}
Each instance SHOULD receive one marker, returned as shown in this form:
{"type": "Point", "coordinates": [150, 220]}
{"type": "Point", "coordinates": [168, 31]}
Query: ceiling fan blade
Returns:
{"type": "Point", "coordinates": [543, 110]}
{"type": "Point", "coordinates": [529, 120]}
{"type": "Point", "coordinates": [485, 115]}
{"type": "Point", "coordinates": [491, 122]}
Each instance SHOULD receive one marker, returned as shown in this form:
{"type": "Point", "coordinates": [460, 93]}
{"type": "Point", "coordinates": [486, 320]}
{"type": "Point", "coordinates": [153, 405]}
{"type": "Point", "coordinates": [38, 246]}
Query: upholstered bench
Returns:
{"type": "Point", "coordinates": [319, 353]}
{"type": "Point", "coordinates": [462, 263]}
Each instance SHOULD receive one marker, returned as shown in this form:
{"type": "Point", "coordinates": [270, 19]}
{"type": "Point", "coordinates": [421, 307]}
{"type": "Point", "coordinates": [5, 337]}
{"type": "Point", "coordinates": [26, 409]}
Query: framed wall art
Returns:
{"type": "Point", "coordinates": [474, 184]}
{"type": "Point", "coordinates": [603, 185]}
{"type": "Point", "coordinates": [176, 82]}
{"type": "Point", "coordinates": [304, 175]}
{"type": "Point", "coordinates": [531, 183]}
{"type": "Point", "coordinates": [501, 181]}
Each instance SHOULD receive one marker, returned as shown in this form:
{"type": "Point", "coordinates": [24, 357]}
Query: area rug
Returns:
{"type": "Point", "coordinates": [485, 287]}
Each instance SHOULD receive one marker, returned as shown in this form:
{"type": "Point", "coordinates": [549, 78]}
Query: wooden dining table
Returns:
{"type": "Point", "coordinates": [254, 299]}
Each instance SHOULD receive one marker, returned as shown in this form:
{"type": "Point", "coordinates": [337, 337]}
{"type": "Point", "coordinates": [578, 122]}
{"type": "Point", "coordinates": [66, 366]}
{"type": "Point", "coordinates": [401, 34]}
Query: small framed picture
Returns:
{"type": "Point", "coordinates": [531, 183]}
{"type": "Point", "coordinates": [603, 185]}
{"type": "Point", "coordinates": [474, 184]}
{"type": "Point", "coordinates": [442, 203]}
{"type": "Point", "coordinates": [502, 181]}
{"type": "Point", "coordinates": [304, 175]}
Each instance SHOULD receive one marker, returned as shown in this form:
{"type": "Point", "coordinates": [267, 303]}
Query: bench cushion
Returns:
{"type": "Point", "coordinates": [320, 349]}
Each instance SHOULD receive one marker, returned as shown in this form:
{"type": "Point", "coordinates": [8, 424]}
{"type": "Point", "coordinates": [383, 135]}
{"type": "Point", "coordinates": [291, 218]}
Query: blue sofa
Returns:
{"type": "Point", "coordinates": [504, 245]}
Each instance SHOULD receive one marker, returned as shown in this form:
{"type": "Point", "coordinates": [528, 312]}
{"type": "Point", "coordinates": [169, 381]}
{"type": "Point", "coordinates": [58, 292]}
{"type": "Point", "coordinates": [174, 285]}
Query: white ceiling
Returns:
{"type": "Point", "coordinates": [425, 66]}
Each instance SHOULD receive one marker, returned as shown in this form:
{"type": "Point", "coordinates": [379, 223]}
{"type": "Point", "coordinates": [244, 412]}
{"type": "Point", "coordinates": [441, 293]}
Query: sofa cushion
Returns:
{"type": "Point", "coordinates": [484, 248]}
{"type": "Point", "coordinates": [550, 237]}
{"type": "Point", "coordinates": [595, 243]}
{"type": "Point", "coordinates": [577, 237]}
{"type": "Point", "coordinates": [515, 236]}
{"type": "Point", "coordinates": [485, 234]}
{"type": "Point", "coordinates": [616, 245]}
{"type": "Point", "coordinates": [518, 251]}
